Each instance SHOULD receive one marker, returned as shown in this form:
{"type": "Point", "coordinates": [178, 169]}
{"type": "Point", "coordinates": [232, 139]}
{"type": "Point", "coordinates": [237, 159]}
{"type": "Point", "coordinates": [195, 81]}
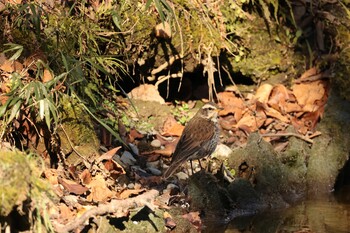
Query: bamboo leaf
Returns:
{"type": "Point", "coordinates": [52, 109]}
{"type": "Point", "coordinates": [109, 129]}
{"type": "Point", "coordinates": [14, 111]}
{"type": "Point", "coordinates": [47, 113]}
{"type": "Point", "coordinates": [41, 109]}
{"type": "Point", "coordinates": [116, 20]}
{"type": "Point", "coordinates": [14, 47]}
{"type": "Point", "coordinates": [3, 108]}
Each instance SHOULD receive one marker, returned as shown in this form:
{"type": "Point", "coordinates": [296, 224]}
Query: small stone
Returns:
{"type": "Point", "coordinates": [154, 171]}
{"type": "Point", "coordinates": [181, 176]}
{"type": "Point", "coordinates": [222, 151]}
{"type": "Point", "coordinates": [154, 164]}
{"type": "Point", "coordinates": [171, 186]}
{"type": "Point", "coordinates": [131, 186]}
{"type": "Point", "coordinates": [127, 158]}
{"type": "Point", "coordinates": [156, 143]}
{"type": "Point", "coordinates": [134, 148]}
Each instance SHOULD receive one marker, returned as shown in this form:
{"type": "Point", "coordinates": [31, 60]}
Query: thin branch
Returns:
{"type": "Point", "coordinates": [307, 139]}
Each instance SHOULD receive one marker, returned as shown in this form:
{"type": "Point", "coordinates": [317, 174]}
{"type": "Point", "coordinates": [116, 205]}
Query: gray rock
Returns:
{"type": "Point", "coordinates": [127, 158]}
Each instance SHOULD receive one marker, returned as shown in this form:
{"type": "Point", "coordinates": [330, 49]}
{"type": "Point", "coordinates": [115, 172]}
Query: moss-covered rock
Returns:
{"type": "Point", "coordinates": [15, 174]}
{"type": "Point", "coordinates": [78, 130]}
{"type": "Point", "coordinates": [22, 190]}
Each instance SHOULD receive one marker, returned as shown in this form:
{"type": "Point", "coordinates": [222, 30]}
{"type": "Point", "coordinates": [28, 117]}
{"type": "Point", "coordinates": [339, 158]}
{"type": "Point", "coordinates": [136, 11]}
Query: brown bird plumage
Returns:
{"type": "Point", "coordinates": [199, 138]}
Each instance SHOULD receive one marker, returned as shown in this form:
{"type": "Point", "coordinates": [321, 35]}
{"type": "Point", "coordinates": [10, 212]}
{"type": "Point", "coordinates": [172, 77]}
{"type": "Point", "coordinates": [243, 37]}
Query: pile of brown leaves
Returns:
{"type": "Point", "coordinates": [274, 108]}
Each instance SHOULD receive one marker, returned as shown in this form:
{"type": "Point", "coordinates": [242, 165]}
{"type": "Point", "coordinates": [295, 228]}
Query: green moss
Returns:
{"type": "Point", "coordinates": [15, 179]}
{"type": "Point", "coordinates": [20, 181]}
{"type": "Point", "coordinates": [79, 128]}
{"type": "Point", "coordinates": [77, 123]}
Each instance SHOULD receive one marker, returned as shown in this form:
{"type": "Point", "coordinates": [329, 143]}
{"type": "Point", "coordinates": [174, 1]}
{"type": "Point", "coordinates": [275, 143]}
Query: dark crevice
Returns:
{"type": "Point", "coordinates": [343, 177]}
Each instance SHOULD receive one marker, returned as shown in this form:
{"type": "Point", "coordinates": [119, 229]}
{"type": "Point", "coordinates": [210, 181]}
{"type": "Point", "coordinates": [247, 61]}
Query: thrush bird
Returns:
{"type": "Point", "coordinates": [199, 138]}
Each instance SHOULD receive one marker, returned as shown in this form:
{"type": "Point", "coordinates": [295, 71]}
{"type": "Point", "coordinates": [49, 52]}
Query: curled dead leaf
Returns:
{"type": "Point", "coordinates": [231, 105]}
{"type": "Point", "coordinates": [72, 186]}
{"type": "Point", "coordinates": [263, 92]}
{"type": "Point", "coordinates": [108, 155]}
{"type": "Point", "coordinates": [85, 177]}
{"type": "Point", "coordinates": [308, 93]}
{"type": "Point", "coordinates": [99, 190]}
{"type": "Point", "coordinates": [278, 98]}
{"type": "Point", "coordinates": [130, 193]}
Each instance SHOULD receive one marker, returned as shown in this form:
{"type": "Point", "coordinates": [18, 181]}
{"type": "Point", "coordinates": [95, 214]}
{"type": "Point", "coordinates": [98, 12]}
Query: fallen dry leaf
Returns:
{"type": "Point", "coordinates": [299, 125]}
{"type": "Point", "coordinates": [276, 114]}
{"type": "Point", "coordinates": [108, 155]}
{"type": "Point", "coordinates": [281, 146]}
{"type": "Point", "coordinates": [51, 175]}
{"type": "Point", "coordinates": [263, 93]}
{"type": "Point", "coordinates": [251, 120]}
{"type": "Point", "coordinates": [310, 72]}
{"type": "Point", "coordinates": [130, 193]}
{"type": "Point", "coordinates": [3, 99]}
{"type": "Point", "coordinates": [99, 190]}
{"type": "Point", "coordinates": [168, 149]}
{"type": "Point", "coordinates": [151, 156]}
{"type": "Point", "coordinates": [278, 98]}
{"type": "Point", "coordinates": [6, 66]}
{"type": "Point", "coordinates": [172, 128]}
{"type": "Point", "coordinates": [292, 107]}
{"type": "Point", "coordinates": [72, 186]}
{"type": "Point", "coordinates": [47, 76]}
{"type": "Point", "coordinates": [231, 105]}
{"type": "Point", "coordinates": [310, 120]}
{"type": "Point", "coordinates": [85, 177]}
{"type": "Point", "coordinates": [134, 134]}
{"type": "Point", "coordinates": [65, 213]}
{"type": "Point", "coordinates": [308, 93]}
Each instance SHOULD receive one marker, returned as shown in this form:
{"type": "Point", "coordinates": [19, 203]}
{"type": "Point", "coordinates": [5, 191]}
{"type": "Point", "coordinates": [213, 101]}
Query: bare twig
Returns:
{"type": "Point", "coordinates": [307, 139]}
{"type": "Point", "coordinates": [167, 77]}
{"type": "Point", "coordinates": [112, 207]}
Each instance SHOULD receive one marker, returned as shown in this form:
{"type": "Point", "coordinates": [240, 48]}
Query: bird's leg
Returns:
{"type": "Point", "coordinates": [191, 167]}
{"type": "Point", "coordinates": [199, 161]}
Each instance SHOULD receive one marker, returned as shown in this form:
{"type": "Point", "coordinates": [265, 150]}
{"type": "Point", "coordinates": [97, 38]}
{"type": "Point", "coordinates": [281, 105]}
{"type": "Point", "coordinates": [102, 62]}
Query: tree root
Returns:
{"type": "Point", "coordinates": [112, 207]}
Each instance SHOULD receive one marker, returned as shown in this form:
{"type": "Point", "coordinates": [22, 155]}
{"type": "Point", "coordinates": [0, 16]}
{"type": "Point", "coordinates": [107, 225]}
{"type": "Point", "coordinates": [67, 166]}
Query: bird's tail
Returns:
{"type": "Point", "coordinates": [171, 169]}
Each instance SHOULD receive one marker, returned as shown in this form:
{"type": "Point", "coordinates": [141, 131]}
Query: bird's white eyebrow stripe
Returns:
{"type": "Point", "coordinates": [208, 106]}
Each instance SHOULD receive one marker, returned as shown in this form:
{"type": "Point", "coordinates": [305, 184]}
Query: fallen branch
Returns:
{"type": "Point", "coordinates": [112, 207]}
{"type": "Point", "coordinates": [307, 139]}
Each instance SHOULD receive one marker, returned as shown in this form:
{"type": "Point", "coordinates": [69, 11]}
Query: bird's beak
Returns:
{"type": "Point", "coordinates": [219, 109]}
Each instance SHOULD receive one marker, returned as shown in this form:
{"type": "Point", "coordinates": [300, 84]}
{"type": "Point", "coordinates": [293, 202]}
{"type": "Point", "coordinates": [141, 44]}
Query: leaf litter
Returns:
{"type": "Point", "coordinates": [108, 186]}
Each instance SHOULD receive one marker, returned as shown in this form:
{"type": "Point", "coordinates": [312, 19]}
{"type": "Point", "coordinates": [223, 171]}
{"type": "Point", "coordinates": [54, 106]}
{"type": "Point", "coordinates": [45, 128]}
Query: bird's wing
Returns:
{"type": "Point", "coordinates": [193, 139]}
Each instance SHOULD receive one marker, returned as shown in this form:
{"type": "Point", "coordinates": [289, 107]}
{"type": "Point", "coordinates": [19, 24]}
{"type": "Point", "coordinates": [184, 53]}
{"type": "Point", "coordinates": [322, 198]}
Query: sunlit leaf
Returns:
{"type": "Point", "coordinates": [41, 109]}
{"type": "Point", "coordinates": [14, 111]}
{"type": "Point", "coordinates": [47, 113]}
{"type": "Point", "coordinates": [116, 20]}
